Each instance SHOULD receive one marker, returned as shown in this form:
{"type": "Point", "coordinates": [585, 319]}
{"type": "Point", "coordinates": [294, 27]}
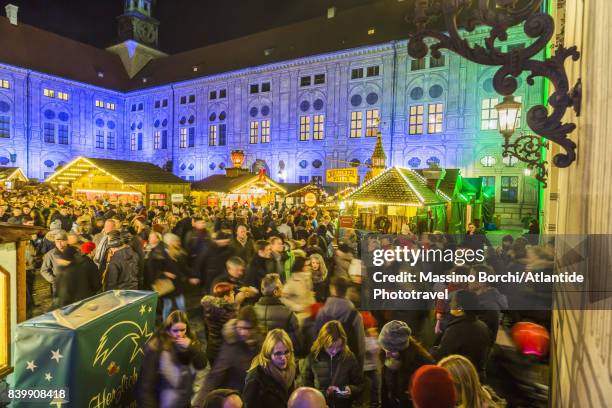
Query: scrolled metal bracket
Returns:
{"type": "Point", "coordinates": [500, 15]}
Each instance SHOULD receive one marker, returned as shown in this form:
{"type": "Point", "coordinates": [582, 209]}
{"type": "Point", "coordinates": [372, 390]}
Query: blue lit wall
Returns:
{"type": "Point", "coordinates": [458, 85]}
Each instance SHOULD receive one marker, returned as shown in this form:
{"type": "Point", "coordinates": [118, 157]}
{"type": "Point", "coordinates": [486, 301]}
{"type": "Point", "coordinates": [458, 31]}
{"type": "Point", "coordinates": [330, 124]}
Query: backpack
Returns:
{"type": "Point", "coordinates": [351, 336]}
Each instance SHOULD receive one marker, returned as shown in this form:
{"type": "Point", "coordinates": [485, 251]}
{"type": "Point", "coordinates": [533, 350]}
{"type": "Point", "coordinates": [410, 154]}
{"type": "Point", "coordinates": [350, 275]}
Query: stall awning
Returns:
{"type": "Point", "coordinates": [397, 186]}
{"type": "Point", "coordinates": [122, 171]}
{"type": "Point", "coordinates": [12, 174]}
{"type": "Point", "coordinates": [221, 183]}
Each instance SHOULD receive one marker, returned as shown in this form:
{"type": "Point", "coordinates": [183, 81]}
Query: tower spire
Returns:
{"type": "Point", "coordinates": [379, 158]}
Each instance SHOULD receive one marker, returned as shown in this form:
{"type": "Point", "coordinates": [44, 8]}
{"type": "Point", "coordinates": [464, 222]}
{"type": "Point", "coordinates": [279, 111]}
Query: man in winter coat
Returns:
{"type": "Point", "coordinates": [273, 314]}
{"type": "Point", "coordinates": [50, 268]}
{"type": "Point", "coordinates": [77, 277]}
{"type": "Point", "coordinates": [261, 264]}
{"type": "Point", "coordinates": [466, 334]}
{"type": "Point", "coordinates": [242, 245]}
{"type": "Point", "coordinates": [101, 241]}
{"type": "Point", "coordinates": [65, 218]}
{"type": "Point", "coordinates": [337, 307]}
{"type": "Point", "coordinates": [122, 269]}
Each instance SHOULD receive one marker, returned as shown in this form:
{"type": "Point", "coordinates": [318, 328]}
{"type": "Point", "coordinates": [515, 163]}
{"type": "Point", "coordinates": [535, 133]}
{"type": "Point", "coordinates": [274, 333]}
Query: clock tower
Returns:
{"type": "Point", "coordinates": [137, 35]}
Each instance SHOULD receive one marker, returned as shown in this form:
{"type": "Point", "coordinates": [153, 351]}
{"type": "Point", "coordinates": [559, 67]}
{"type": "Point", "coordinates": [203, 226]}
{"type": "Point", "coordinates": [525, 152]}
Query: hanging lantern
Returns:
{"type": "Point", "coordinates": [237, 157]}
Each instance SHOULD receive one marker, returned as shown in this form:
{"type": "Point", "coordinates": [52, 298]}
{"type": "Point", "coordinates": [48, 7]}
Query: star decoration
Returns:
{"type": "Point", "coordinates": [31, 366]}
{"type": "Point", "coordinates": [48, 377]}
{"type": "Point", "coordinates": [55, 355]}
{"type": "Point", "coordinates": [142, 310]}
{"type": "Point", "coordinates": [150, 308]}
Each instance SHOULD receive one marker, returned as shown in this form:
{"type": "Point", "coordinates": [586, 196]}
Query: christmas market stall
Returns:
{"type": "Point", "coordinates": [12, 178]}
{"type": "Point", "coordinates": [306, 194]}
{"type": "Point", "coordinates": [13, 243]}
{"type": "Point", "coordinates": [120, 181]}
{"type": "Point", "coordinates": [399, 196]}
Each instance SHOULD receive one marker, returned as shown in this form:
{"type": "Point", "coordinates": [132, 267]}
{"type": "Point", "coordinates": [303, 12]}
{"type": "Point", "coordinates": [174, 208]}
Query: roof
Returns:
{"type": "Point", "coordinates": [123, 171]}
{"type": "Point", "coordinates": [29, 47]}
{"type": "Point", "coordinates": [449, 182]}
{"type": "Point", "coordinates": [17, 232]}
{"type": "Point", "coordinates": [399, 186]}
{"type": "Point", "coordinates": [296, 189]}
{"type": "Point", "coordinates": [221, 183]}
{"type": "Point", "coordinates": [7, 173]}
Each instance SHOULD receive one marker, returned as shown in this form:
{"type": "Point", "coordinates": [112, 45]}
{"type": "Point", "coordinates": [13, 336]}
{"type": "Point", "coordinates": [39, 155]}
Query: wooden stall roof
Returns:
{"type": "Point", "coordinates": [398, 186]}
{"type": "Point", "coordinates": [123, 171]}
{"type": "Point", "coordinates": [449, 183]}
{"type": "Point", "coordinates": [7, 173]}
{"type": "Point", "coordinates": [297, 189]}
{"type": "Point", "coordinates": [221, 183]}
{"type": "Point", "coordinates": [17, 232]}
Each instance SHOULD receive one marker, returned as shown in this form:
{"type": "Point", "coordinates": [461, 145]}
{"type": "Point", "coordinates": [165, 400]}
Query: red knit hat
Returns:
{"type": "Point", "coordinates": [87, 247]}
{"type": "Point", "coordinates": [432, 387]}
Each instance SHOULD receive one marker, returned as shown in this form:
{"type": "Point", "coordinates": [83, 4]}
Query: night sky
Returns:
{"type": "Point", "coordinates": [184, 24]}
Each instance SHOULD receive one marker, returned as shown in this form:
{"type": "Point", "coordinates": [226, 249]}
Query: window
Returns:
{"type": "Point", "coordinates": [488, 114]}
{"type": "Point", "coordinates": [417, 64]}
{"type": "Point", "coordinates": [212, 95]}
{"type": "Point", "coordinates": [304, 127]}
{"type": "Point", "coordinates": [254, 132]}
{"type": "Point", "coordinates": [141, 106]}
{"type": "Point", "coordinates": [99, 103]}
{"type": "Point", "coordinates": [164, 139]}
{"type": "Point", "coordinates": [415, 122]}
{"type": "Point", "coordinates": [5, 126]}
{"type": "Point", "coordinates": [319, 79]}
{"type": "Point", "coordinates": [318, 127]}
{"type": "Point", "coordinates": [318, 180]}
{"type": "Point", "coordinates": [488, 161]}
{"type": "Point", "coordinates": [191, 137]}
{"type": "Point", "coordinates": [265, 87]}
{"type": "Point", "coordinates": [222, 93]}
{"type": "Point", "coordinates": [183, 100]}
{"type": "Point", "coordinates": [254, 88]}
{"type": "Point", "coordinates": [110, 140]}
{"type": "Point", "coordinates": [183, 137]}
{"type": "Point", "coordinates": [139, 141]}
{"type": "Point", "coordinates": [133, 142]}
{"type": "Point", "coordinates": [157, 104]}
{"type": "Point", "coordinates": [50, 93]}
{"type": "Point", "coordinates": [99, 139]}
{"type": "Point", "coordinates": [488, 181]}
{"type": "Point", "coordinates": [265, 131]}
{"type": "Point", "coordinates": [110, 106]}
{"type": "Point", "coordinates": [356, 73]}
{"type": "Point", "coordinates": [373, 71]}
{"type": "Point", "coordinates": [518, 99]}
{"type": "Point", "coordinates": [134, 107]}
{"type": "Point", "coordinates": [191, 98]}
{"type": "Point", "coordinates": [434, 118]}
{"type": "Point", "coordinates": [62, 95]}
{"type": "Point", "coordinates": [157, 139]}
{"type": "Point", "coordinates": [356, 123]}
{"type": "Point", "coordinates": [5, 84]}
{"type": "Point", "coordinates": [509, 189]}
{"type": "Point", "coordinates": [49, 133]}
{"type": "Point", "coordinates": [303, 179]}
{"type": "Point", "coordinates": [437, 62]}
{"type": "Point", "coordinates": [164, 103]}
{"type": "Point", "coordinates": [222, 134]}
{"type": "Point", "coordinates": [212, 135]}
{"type": "Point", "coordinates": [372, 117]}
{"type": "Point", "coordinates": [305, 81]}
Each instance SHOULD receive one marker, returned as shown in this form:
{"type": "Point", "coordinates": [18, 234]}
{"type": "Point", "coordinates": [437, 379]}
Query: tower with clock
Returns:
{"type": "Point", "coordinates": [137, 35]}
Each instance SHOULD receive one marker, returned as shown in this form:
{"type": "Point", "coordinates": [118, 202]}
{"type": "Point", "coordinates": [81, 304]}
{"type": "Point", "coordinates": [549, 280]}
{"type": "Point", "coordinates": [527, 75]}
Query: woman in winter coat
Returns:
{"type": "Point", "coordinates": [332, 368]}
{"type": "Point", "coordinates": [401, 355]}
{"type": "Point", "coordinates": [218, 309]}
{"type": "Point", "coordinates": [470, 393]}
{"type": "Point", "coordinates": [271, 378]}
{"type": "Point", "coordinates": [320, 282]}
{"type": "Point", "coordinates": [169, 363]}
{"type": "Point", "coordinates": [242, 341]}
{"type": "Point", "coordinates": [175, 268]}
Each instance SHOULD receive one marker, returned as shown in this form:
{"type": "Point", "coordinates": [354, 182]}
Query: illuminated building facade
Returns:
{"type": "Point", "coordinates": [294, 111]}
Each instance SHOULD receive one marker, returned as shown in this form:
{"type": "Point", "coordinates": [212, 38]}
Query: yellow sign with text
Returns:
{"type": "Point", "coordinates": [348, 175]}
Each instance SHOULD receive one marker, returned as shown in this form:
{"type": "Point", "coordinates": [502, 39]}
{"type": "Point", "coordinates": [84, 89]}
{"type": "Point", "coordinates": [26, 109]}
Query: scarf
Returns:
{"type": "Point", "coordinates": [283, 377]}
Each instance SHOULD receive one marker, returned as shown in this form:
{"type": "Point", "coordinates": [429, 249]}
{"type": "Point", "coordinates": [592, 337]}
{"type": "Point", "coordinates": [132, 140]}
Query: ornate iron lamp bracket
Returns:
{"type": "Point", "coordinates": [528, 149]}
{"type": "Point", "coordinates": [501, 15]}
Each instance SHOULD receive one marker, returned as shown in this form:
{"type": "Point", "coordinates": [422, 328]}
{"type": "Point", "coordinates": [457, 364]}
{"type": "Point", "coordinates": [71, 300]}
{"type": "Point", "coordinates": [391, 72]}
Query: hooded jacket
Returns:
{"type": "Point", "coordinates": [122, 270]}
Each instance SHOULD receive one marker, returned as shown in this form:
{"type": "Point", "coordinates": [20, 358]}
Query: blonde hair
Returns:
{"type": "Point", "coordinates": [331, 332]}
{"type": "Point", "coordinates": [265, 355]}
{"type": "Point", "coordinates": [470, 392]}
{"type": "Point", "coordinates": [173, 245]}
{"type": "Point", "coordinates": [322, 266]}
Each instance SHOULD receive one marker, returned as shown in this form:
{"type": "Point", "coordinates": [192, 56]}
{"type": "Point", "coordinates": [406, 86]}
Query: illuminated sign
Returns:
{"type": "Point", "coordinates": [310, 199]}
{"type": "Point", "coordinates": [343, 176]}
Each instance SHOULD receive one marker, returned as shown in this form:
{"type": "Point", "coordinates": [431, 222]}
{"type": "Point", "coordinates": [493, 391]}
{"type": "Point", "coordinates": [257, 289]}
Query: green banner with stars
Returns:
{"type": "Point", "coordinates": [91, 349]}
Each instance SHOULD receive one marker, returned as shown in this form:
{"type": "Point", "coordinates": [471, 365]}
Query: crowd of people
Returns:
{"type": "Point", "coordinates": [280, 302]}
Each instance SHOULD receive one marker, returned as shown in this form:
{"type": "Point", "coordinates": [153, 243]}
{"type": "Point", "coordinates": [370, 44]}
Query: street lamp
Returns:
{"type": "Point", "coordinates": [526, 148]}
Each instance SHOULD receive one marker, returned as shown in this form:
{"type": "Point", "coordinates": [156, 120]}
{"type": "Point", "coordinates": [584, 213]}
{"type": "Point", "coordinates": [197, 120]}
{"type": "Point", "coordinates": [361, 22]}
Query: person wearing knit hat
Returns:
{"type": "Point", "coordinates": [432, 387]}
{"type": "Point", "coordinates": [87, 248]}
{"type": "Point", "coordinates": [401, 356]}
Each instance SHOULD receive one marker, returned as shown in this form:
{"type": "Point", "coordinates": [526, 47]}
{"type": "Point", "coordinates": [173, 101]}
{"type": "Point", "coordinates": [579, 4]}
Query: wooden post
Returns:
{"type": "Point", "coordinates": [21, 281]}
